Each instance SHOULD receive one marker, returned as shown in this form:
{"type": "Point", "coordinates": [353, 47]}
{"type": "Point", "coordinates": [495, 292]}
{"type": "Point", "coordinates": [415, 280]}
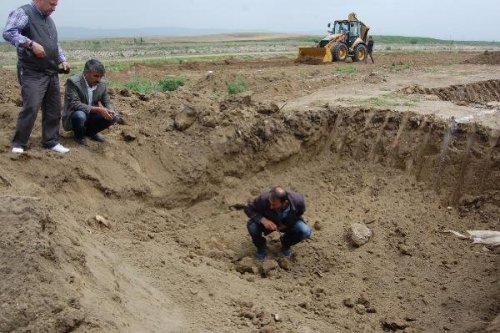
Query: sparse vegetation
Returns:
{"type": "Point", "coordinates": [142, 86]}
{"type": "Point", "coordinates": [346, 69]}
{"type": "Point", "coordinates": [145, 86]}
{"type": "Point", "coordinates": [237, 86]}
{"type": "Point", "coordinates": [171, 84]}
{"type": "Point", "coordinates": [159, 50]}
{"type": "Point", "coordinates": [398, 67]}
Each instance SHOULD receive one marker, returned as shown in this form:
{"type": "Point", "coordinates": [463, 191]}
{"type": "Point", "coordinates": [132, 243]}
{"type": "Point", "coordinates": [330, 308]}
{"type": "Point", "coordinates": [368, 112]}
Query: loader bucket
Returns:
{"type": "Point", "coordinates": [319, 54]}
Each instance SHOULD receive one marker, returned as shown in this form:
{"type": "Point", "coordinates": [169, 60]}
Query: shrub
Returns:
{"type": "Point", "coordinates": [171, 84]}
{"type": "Point", "coordinates": [236, 86]}
{"type": "Point", "coordinates": [142, 86]}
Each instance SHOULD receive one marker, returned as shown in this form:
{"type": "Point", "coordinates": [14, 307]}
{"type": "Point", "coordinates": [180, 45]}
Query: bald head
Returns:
{"type": "Point", "coordinates": [278, 198]}
{"type": "Point", "coordinates": [47, 7]}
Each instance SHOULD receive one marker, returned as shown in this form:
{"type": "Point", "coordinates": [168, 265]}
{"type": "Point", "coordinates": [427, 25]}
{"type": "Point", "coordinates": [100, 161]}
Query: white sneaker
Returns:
{"type": "Point", "coordinates": [17, 150]}
{"type": "Point", "coordinates": [59, 148]}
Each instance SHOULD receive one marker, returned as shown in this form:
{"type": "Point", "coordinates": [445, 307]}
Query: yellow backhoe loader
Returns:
{"type": "Point", "coordinates": [346, 38]}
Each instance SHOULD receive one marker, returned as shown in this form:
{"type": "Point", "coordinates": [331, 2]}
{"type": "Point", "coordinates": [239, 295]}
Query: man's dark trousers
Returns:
{"type": "Point", "coordinates": [38, 90]}
{"type": "Point", "coordinates": [89, 124]}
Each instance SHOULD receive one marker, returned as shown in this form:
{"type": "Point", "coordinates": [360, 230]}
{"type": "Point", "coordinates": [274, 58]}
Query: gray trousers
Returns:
{"type": "Point", "coordinates": [38, 90]}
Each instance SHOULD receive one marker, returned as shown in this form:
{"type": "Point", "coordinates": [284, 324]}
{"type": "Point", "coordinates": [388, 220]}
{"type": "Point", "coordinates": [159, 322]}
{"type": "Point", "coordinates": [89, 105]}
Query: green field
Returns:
{"type": "Point", "coordinates": [121, 53]}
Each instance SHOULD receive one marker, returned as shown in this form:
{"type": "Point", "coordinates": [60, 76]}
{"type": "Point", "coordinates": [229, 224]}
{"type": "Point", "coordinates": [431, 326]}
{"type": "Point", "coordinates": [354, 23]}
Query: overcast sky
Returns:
{"type": "Point", "coordinates": [446, 19]}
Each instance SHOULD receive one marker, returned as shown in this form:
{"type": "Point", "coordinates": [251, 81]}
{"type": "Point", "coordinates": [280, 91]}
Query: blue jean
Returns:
{"type": "Point", "coordinates": [89, 124]}
{"type": "Point", "coordinates": [294, 234]}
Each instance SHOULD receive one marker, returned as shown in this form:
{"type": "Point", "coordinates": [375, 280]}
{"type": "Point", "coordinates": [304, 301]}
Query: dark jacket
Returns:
{"type": "Point", "coordinates": [369, 46]}
{"type": "Point", "coordinates": [261, 207]}
{"type": "Point", "coordinates": [76, 98]}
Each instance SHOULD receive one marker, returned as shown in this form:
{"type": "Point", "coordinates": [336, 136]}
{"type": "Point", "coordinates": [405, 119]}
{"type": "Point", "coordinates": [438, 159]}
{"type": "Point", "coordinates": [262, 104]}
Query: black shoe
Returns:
{"type": "Point", "coordinates": [81, 141]}
{"type": "Point", "coordinates": [97, 137]}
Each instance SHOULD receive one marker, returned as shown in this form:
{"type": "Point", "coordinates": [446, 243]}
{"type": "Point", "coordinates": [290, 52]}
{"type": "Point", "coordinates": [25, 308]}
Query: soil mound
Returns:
{"type": "Point", "coordinates": [478, 92]}
{"type": "Point", "coordinates": [487, 58]}
{"type": "Point", "coordinates": [309, 61]}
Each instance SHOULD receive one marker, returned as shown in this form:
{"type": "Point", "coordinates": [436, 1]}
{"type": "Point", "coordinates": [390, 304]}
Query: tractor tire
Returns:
{"type": "Point", "coordinates": [339, 52]}
{"type": "Point", "coordinates": [360, 53]}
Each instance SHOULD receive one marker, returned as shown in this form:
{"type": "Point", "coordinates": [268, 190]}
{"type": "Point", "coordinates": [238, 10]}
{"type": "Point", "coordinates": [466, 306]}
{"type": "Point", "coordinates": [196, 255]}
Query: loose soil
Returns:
{"type": "Point", "coordinates": [144, 233]}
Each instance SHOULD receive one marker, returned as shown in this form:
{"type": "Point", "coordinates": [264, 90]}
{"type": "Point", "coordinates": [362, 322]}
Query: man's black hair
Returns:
{"type": "Point", "coordinates": [94, 66]}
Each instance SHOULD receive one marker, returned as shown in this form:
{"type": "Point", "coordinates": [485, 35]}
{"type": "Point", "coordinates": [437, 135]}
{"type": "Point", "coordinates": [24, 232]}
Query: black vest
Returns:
{"type": "Point", "coordinates": [42, 30]}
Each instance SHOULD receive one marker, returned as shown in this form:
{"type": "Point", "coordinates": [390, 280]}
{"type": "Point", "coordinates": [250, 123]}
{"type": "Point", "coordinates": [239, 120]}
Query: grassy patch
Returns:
{"type": "Point", "coordinates": [388, 102]}
{"type": "Point", "coordinates": [145, 86]}
{"type": "Point", "coordinates": [398, 67]}
{"type": "Point", "coordinates": [142, 86]}
{"type": "Point", "coordinates": [171, 84]}
{"type": "Point", "coordinates": [237, 86]}
{"type": "Point", "coordinates": [346, 70]}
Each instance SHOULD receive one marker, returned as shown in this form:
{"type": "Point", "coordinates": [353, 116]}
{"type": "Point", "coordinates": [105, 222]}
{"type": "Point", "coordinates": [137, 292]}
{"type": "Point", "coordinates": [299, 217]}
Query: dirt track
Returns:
{"type": "Point", "coordinates": [377, 146]}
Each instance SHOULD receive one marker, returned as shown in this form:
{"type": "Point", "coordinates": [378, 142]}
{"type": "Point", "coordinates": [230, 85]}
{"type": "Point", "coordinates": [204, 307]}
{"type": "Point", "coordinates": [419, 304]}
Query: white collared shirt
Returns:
{"type": "Point", "coordinates": [90, 91]}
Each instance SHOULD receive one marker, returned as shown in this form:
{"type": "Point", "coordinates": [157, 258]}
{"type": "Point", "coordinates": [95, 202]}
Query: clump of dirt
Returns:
{"type": "Point", "coordinates": [478, 92]}
{"type": "Point", "coordinates": [309, 61]}
{"type": "Point", "coordinates": [487, 58]}
{"type": "Point", "coordinates": [375, 78]}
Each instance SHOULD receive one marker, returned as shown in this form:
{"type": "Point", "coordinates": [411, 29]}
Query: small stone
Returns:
{"type": "Point", "coordinates": [285, 263]}
{"type": "Point", "coordinates": [102, 221]}
{"type": "Point", "coordinates": [317, 226]}
{"type": "Point", "coordinates": [246, 265]}
{"type": "Point", "coordinates": [128, 136]}
{"type": "Point", "coordinates": [247, 314]}
{"type": "Point", "coordinates": [277, 318]}
{"type": "Point", "coordinates": [393, 324]}
{"type": "Point", "coordinates": [185, 118]}
{"type": "Point", "coordinates": [268, 266]}
{"type": "Point", "coordinates": [304, 305]}
{"type": "Point", "coordinates": [125, 93]}
{"type": "Point", "coordinates": [360, 309]}
{"type": "Point", "coordinates": [348, 302]}
{"type": "Point", "coordinates": [360, 234]}
{"type": "Point", "coordinates": [406, 250]}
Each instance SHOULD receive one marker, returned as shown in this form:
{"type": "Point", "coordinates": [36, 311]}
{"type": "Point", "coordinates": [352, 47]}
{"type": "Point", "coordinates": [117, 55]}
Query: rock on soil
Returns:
{"type": "Point", "coordinates": [360, 234]}
{"type": "Point", "coordinates": [185, 118]}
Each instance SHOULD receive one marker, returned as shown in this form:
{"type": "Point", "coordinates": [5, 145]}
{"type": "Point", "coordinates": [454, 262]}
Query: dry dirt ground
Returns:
{"type": "Point", "coordinates": [143, 233]}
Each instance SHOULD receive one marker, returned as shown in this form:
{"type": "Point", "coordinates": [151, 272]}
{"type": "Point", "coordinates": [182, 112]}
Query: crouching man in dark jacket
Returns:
{"type": "Point", "coordinates": [88, 109]}
{"type": "Point", "coordinates": [279, 210]}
